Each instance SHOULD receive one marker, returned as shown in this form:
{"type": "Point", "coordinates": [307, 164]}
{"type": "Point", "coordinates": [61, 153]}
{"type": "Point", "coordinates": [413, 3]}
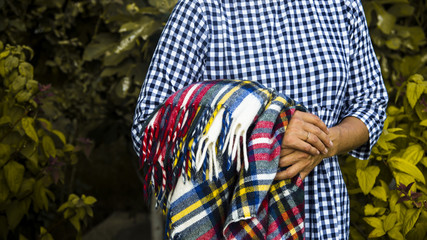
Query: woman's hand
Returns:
{"type": "Point", "coordinates": [307, 133]}
{"type": "Point", "coordinates": [299, 158]}
{"type": "Point", "coordinates": [297, 162]}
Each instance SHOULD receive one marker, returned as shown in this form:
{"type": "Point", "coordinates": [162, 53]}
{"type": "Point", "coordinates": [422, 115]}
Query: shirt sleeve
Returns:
{"type": "Point", "coordinates": [366, 97]}
{"type": "Point", "coordinates": [178, 60]}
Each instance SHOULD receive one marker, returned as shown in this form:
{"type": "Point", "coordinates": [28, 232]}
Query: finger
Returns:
{"type": "Point", "coordinates": [313, 119]}
{"type": "Point", "coordinates": [293, 140]}
{"type": "Point", "coordinates": [291, 171]}
{"type": "Point", "coordinates": [293, 158]}
{"type": "Point", "coordinates": [318, 142]}
{"type": "Point", "coordinates": [286, 151]}
{"type": "Point", "coordinates": [316, 134]}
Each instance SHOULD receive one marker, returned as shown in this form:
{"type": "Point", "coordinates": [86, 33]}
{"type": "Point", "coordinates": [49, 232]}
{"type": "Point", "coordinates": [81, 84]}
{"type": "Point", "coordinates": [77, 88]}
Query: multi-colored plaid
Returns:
{"type": "Point", "coordinates": [210, 154]}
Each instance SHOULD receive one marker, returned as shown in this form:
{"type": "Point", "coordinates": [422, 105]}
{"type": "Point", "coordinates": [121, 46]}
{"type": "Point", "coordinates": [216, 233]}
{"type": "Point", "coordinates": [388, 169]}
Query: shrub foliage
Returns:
{"type": "Point", "coordinates": [388, 193]}
{"type": "Point", "coordinates": [95, 55]}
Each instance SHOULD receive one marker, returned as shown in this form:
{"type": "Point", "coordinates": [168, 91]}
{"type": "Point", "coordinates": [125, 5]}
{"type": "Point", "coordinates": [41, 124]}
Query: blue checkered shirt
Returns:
{"type": "Point", "coordinates": [317, 52]}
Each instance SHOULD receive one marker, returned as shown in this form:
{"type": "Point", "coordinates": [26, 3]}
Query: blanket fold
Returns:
{"type": "Point", "coordinates": [210, 154]}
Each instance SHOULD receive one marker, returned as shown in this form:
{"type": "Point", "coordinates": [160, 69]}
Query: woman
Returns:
{"type": "Point", "coordinates": [317, 52]}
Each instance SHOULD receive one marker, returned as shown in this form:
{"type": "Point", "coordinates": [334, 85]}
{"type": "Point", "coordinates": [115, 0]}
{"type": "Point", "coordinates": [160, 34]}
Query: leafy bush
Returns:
{"type": "Point", "coordinates": [96, 53]}
{"type": "Point", "coordinates": [33, 155]}
{"type": "Point", "coordinates": [388, 193]}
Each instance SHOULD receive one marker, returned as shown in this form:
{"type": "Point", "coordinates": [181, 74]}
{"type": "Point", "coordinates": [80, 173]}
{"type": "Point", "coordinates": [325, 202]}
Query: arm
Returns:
{"type": "Point", "coordinates": [177, 61]}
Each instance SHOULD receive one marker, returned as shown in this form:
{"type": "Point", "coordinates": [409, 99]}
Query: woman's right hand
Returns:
{"type": "Point", "coordinates": [307, 133]}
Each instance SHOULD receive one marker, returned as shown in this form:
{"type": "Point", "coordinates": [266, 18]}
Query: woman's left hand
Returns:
{"type": "Point", "coordinates": [297, 162]}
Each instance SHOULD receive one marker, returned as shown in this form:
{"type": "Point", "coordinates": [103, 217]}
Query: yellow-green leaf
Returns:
{"type": "Point", "coordinates": [423, 123]}
{"type": "Point", "coordinates": [14, 174]}
{"type": "Point", "coordinates": [60, 135]}
{"type": "Point", "coordinates": [27, 187]}
{"type": "Point", "coordinates": [26, 70]}
{"type": "Point", "coordinates": [44, 234]}
{"type": "Point", "coordinates": [410, 219]}
{"type": "Point", "coordinates": [46, 124]}
{"type": "Point", "coordinates": [22, 237]}
{"type": "Point", "coordinates": [380, 193]}
{"type": "Point", "coordinates": [4, 153]}
{"type": "Point", "coordinates": [377, 224]}
{"type": "Point", "coordinates": [407, 167]}
{"type": "Point", "coordinates": [15, 212]}
{"type": "Point", "coordinates": [27, 125]}
{"type": "Point", "coordinates": [89, 200]}
{"type": "Point", "coordinates": [393, 43]}
{"type": "Point", "coordinates": [18, 83]}
{"type": "Point", "coordinates": [414, 92]}
{"type": "Point", "coordinates": [385, 21]}
{"type": "Point", "coordinates": [366, 178]}
{"type": "Point", "coordinates": [75, 221]}
{"type": "Point", "coordinates": [48, 146]}
{"type": "Point", "coordinates": [63, 207]}
{"type": "Point", "coordinates": [370, 210]}
{"type": "Point", "coordinates": [4, 189]}
{"type": "Point", "coordinates": [414, 153]}
{"type": "Point", "coordinates": [390, 221]}
{"type": "Point", "coordinates": [395, 234]}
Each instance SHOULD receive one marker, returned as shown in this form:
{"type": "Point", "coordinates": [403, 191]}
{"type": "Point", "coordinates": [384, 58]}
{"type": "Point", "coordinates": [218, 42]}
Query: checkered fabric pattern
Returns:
{"type": "Point", "coordinates": [316, 52]}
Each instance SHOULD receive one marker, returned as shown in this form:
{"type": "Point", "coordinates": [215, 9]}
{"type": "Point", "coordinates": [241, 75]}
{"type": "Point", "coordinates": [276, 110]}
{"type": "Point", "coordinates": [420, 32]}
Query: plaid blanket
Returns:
{"type": "Point", "coordinates": [210, 154]}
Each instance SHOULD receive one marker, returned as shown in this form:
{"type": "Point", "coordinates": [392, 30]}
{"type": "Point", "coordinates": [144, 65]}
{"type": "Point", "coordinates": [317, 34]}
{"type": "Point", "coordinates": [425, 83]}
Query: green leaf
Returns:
{"type": "Point", "coordinates": [14, 174]}
{"type": "Point", "coordinates": [63, 207]}
{"type": "Point", "coordinates": [406, 167]}
{"type": "Point", "coordinates": [26, 70]}
{"type": "Point", "coordinates": [147, 27]}
{"type": "Point", "coordinates": [5, 120]}
{"type": "Point", "coordinates": [4, 189]}
{"type": "Point", "coordinates": [380, 193]}
{"type": "Point", "coordinates": [89, 200]}
{"type": "Point", "coordinates": [100, 45]}
{"type": "Point", "coordinates": [424, 161]}
{"type": "Point", "coordinates": [393, 43]}
{"type": "Point", "coordinates": [32, 86]}
{"type": "Point", "coordinates": [413, 154]}
{"type": "Point", "coordinates": [366, 178]}
{"type": "Point", "coordinates": [60, 135]}
{"type": "Point", "coordinates": [41, 194]}
{"type": "Point", "coordinates": [44, 234]}
{"type": "Point", "coordinates": [414, 92]}
{"type": "Point", "coordinates": [46, 124]}
{"type": "Point", "coordinates": [385, 21]}
{"type": "Point", "coordinates": [75, 221]}
{"type": "Point", "coordinates": [423, 123]}
{"type": "Point", "coordinates": [48, 146]}
{"type": "Point", "coordinates": [3, 227]}
{"type": "Point", "coordinates": [370, 210]}
{"type": "Point", "coordinates": [402, 10]}
{"type": "Point", "coordinates": [395, 233]}
{"type": "Point", "coordinates": [27, 187]}
{"type": "Point", "coordinates": [89, 211]}
{"type": "Point", "coordinates": [23, 96]}
{"type": "Point", "coordinates": [377, 224]}
{"type": "Point", "coordinates": [27, 125]}
{"type": "Point", "coordinates": [18, 84]}
{"type": "Point", "coordinates": [4, 153]}
{"type": "Point", "coordinates": [390, 221]}
{"type": "Point", "coordinates": [129, 26]}
{"type": "Point", "coordinates": [410, 219]}
{"type": "Point", "coordinates": [15, 212]}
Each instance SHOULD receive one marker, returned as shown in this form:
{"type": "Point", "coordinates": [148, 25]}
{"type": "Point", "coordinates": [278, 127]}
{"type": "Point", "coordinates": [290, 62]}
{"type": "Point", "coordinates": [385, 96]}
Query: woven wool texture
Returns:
{"type": "Point", "coordinates": [210, 154]}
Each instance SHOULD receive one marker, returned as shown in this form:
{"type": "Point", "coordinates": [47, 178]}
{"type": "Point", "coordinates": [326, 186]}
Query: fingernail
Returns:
{"type": "Point", "coordinates": [325, 151]}
{"type": "Point", "coordinates": [317, 152]}
{"type": "Point", "coordinates": [332, 144]}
